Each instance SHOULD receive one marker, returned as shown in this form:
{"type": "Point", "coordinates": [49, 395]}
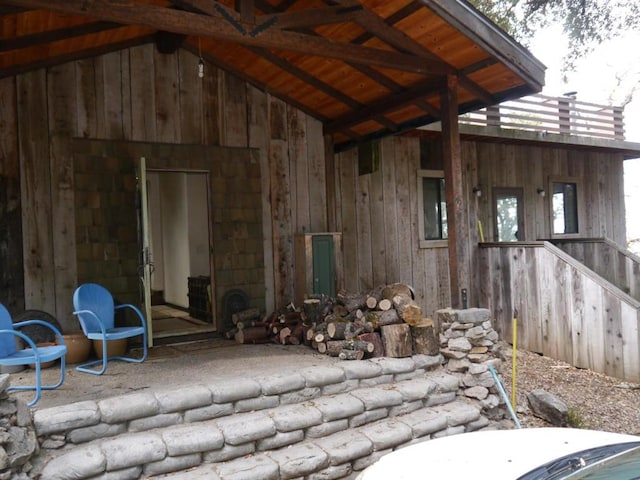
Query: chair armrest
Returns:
{"type": "Point", "coordinates": [26, 338]}
{"type": "Point", "coordinates": [135, 309]}
{"type": "Point", "coordinates": [44, 324]}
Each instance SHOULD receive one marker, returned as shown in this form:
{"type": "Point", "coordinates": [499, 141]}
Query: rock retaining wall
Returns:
{"type": "Point", "coordinates": [325, 422]}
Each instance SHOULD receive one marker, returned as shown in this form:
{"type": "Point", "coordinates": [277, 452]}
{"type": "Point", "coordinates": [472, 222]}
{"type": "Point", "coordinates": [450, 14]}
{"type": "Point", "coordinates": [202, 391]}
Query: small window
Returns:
{"type": "Point", "coordinates": [433, 215]}
{"type": "Point", "coordinates": [564, 205]}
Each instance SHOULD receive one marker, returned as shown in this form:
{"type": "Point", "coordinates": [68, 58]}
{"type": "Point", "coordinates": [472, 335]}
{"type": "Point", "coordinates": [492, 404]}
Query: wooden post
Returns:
{"type": "Point", "coordinates": [457, 216]}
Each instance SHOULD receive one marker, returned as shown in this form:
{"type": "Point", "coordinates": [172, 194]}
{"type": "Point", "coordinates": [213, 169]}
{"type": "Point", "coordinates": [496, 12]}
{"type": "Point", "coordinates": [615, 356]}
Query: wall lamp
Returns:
{"type": "Point", "coordinates": [477, 191]}
{"type": "Point", "coordinates": [541, 192]}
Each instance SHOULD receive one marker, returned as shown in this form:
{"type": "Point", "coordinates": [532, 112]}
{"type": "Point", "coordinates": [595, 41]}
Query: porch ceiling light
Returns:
{"type": "Point", "coordinates": [541, 192]}
{"type": "Point", "coordinates": [477, 191]}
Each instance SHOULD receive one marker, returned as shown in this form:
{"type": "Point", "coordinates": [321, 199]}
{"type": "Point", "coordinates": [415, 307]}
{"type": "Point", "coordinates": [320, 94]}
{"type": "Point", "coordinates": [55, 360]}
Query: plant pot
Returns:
{"type": "Point", "coordinates": [44, 364]}
{"type": "Point", "coordinates": [115, 348]}
{"type": "Point", "coordinates": [78, 347]}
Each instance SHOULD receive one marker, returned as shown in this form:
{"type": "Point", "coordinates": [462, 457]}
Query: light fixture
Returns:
{"type": "Point", "coordinates": [201, 68]}
{"type": "Point", "coordinates": [541, 192]}
{"type": "Point", "coordinates": [477, 191]}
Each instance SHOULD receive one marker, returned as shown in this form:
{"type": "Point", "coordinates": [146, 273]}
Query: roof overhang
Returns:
{"type": "Point", "coordinates": [364, 68]}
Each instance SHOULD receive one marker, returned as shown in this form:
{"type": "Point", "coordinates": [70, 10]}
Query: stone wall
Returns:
{"type": "Point", "coordinates": [18, 442]}
{"type": "Point", "coordinates": [323, 422]}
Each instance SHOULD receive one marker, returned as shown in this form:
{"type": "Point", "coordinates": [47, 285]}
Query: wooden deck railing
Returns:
{"type": "Point", "coordinates": [559, 115]}
{"type": "Point", "coordinates": [617, 265]}
{"type": "Point", "coordinates": [565, 310]}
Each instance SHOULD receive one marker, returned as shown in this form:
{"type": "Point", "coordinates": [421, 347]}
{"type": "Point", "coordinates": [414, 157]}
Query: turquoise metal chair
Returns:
{"type": "Point", "coordinates": [34, 355]}
{"type": "Point", "coordinates": [95, 309]}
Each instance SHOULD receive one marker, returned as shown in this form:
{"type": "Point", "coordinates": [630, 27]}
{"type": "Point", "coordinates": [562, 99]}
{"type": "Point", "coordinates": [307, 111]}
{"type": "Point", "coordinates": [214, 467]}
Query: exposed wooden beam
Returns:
{"type": "Point", "coordinates": [161, 18]}
{"type": "Point", "coordinates": [386, 105]}
{"type": "Point", "coordinates": [246, 10]}
{"type": "Point", "coordinates": [26, 41]}
{"type": "Point", "coordinates": [457, 218]}
{"type": "Point", "coordinates": [313, 17]}
{"type": "Point", "coordinates": [70, 57]}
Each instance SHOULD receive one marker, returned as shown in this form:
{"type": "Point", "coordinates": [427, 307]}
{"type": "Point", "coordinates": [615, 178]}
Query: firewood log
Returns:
{"type": "Point", "coordinates": [322, 347]}
{"type": "Point", "coordinates": [249, 323]}
{"type": "Point", "coordinates": [394, 289]}
{"type": "Point", "coordinates": [340, 310]}
{"type": "Point", "coordinates": [425, 340]}
{"type": "Point", "coordinates": [311, 310]}
{"type": "Point", "coordinates": [334, 347]}
{"type": "Point", "coordinates": [247, 314]}
{"type": "Point", "coordinates": [380, 318]}
{"type": "Point", "coordinates": [252, 335]}
{"type": "Point", "coordinates": [409, 311]}
{"type": "Point", "coordinates": [352, 301]}
{"type": "Point", "coordinates": [351, 355]}
{"type": "Point", "coordinates": [336, 329]}
{"type": "Point", "coordinates": [283, 334]}
{"type": "Point", "coordinates": [373, 297]}
{"type": "Point", "coordinates": [374, 339]}
{"type": "Point", "coordinates": [384, 304]}
{"type": "Point", "coordinates": [396, 340]}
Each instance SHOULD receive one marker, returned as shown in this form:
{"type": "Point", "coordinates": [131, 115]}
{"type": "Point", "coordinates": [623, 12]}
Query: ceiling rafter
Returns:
{"type": "Point", "coordinates": [72, 57]}
{"type": "Point", "coordinates": [161, 18]}
{"type": "Point", "coordinates": [58, 34]}
{"type": "Point", "coordinates": [386, 105]}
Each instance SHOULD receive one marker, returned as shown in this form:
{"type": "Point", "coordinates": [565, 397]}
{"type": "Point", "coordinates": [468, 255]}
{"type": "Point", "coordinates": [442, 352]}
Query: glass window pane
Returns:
{"type": "Point", "coordinates": [507, 218]}
{"type": "Point", "coordinates": [435, 208]}
{"type": "Point", "coordinates": [564, 202]}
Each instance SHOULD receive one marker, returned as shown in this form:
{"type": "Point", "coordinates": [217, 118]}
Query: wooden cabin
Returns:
{"type": "Point", "coordinates": [211, 155]}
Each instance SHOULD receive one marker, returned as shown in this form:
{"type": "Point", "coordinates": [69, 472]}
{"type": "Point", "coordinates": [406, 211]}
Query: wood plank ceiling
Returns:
{"type": "Point", "coordinates": [365, 68]}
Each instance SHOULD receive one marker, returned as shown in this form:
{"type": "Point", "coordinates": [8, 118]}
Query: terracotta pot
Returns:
{"type": "Point", "coordinates": [115, 348]}
{"type": "Point", "coordinates": [78, 347]}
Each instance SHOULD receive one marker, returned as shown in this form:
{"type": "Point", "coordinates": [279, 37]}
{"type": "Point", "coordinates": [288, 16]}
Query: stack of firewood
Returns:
{"type": "Point", "coordinates": [383, 322]}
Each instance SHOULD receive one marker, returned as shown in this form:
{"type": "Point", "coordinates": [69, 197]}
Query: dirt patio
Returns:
{"type": "Point", "coordinates": [172, 366]}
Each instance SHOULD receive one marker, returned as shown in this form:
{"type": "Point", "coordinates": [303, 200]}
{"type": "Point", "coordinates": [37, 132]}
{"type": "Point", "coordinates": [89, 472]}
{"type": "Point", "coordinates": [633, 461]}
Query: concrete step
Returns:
{"type": "Point", "coordinates": [318, 422]}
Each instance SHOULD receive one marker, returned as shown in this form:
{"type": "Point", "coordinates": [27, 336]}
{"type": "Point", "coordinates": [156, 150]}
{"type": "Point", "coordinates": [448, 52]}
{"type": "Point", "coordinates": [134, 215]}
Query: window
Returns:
{"type": "Point", "coordinates": [564, 207]}
{"type": "Point", "coordinates": [433, 217]}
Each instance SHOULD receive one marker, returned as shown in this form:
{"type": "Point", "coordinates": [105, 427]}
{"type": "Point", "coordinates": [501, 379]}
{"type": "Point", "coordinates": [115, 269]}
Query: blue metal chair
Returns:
{"type": "Point", "coordinates": [33, 355]}
{"type": "Point", "coordinates": [95, 309]}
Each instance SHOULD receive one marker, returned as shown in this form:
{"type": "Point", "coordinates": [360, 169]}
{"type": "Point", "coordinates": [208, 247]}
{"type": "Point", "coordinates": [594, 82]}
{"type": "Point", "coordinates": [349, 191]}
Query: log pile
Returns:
{"type": "Point", "coordinates": [383, 322]}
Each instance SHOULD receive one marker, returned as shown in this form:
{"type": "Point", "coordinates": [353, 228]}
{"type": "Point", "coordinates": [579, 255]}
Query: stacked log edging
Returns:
{"type": "Point", "coordinates": [18, 442]}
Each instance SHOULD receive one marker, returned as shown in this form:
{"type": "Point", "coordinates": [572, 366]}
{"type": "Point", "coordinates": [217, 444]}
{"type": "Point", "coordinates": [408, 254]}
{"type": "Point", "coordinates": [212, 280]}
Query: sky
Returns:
{"type": "Point", "coordinates": [595, 80]}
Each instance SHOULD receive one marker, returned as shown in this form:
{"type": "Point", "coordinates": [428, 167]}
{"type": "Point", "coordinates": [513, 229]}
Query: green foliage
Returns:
{"type": "Point", "coordinates": [587, 23]}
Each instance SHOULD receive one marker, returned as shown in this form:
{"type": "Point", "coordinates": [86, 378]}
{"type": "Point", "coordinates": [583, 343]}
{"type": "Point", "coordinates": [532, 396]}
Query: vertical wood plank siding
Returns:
{"type": "Point", "coordinates": [12, 275]}
{"type": "Point", "coordinates": [564, 310]}
{"type": "Point", "coordinates": [139, 94]}
{"type": "Point", "coordinates": [378, 218]}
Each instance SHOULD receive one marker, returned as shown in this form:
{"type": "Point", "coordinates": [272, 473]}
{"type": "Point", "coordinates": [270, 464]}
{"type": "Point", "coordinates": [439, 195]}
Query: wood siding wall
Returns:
{"type": "Point", "coordinates": [599, 176]}
{"type": "Point", "coordinates": [377, 214]}
{"type": "Point", "coordinates": [142, 95]}
{"type": "Point", "coordinates": [564, 310]}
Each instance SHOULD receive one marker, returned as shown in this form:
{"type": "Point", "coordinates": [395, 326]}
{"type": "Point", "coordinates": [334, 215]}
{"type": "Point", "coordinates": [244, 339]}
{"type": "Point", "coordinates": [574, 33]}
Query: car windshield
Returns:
{"type": "Point", "coordinates": [620, 461]}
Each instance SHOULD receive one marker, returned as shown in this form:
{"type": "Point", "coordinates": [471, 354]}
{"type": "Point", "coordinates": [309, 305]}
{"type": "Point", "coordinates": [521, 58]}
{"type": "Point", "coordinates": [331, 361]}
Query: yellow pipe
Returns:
{"type": "Point", "coordinates": [514, 362]}
{"type": "Point", "coordinates": [480, 231]}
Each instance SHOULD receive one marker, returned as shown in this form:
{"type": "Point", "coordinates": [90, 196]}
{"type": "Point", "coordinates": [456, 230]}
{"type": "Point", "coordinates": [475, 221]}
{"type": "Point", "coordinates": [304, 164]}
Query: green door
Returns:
{"type": "Point", "coordinates": [323, 265]}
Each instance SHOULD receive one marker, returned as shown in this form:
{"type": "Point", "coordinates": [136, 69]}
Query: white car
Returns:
{"type": "Point", "coordinates": [522, 454]}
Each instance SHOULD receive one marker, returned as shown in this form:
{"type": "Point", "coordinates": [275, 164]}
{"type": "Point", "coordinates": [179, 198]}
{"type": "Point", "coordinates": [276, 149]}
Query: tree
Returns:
{"type": "Point", "coordinates": [587, 23]}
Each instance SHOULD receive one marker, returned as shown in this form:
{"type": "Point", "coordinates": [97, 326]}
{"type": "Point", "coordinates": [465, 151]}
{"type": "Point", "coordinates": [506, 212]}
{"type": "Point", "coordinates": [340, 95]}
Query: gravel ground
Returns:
{"type": "Point", "coordinates": [595, 400]}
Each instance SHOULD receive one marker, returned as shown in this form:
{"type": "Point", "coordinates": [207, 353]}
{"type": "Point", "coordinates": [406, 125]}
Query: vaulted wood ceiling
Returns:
{"type": "Point", "coordinates": [365, 68]}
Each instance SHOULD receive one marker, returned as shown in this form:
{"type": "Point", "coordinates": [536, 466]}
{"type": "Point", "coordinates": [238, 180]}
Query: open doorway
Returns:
{"type": "Point", "coordinates": [179, 239]}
